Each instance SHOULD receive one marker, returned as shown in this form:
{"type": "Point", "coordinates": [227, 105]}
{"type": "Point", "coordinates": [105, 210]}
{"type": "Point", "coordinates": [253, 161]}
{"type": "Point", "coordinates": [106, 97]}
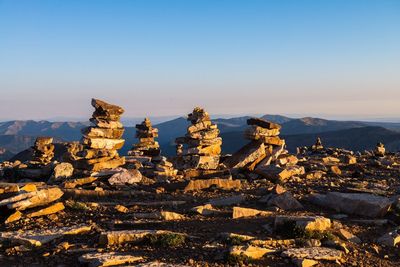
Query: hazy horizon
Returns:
{"type": "Point", "coordinates": [329, 59]}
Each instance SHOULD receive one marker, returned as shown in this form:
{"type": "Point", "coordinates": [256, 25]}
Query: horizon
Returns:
{"type": "Point", "coordinates": [161, 119]}
{"type": "Point", "coordinates": [331, 59]}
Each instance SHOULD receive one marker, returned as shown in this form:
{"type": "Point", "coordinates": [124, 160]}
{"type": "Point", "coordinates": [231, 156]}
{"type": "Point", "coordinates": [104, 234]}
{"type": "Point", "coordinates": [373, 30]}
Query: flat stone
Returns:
{"type": "Point", "coordinates": [203, 125]}
{"type": "Point", "coordinates": [346, 235]}
{"type": "Point", "coordinates": [246, 155]}
{"type": "Point", "coordinates": [354, 203]}
{"type": "Point", "coordinates": [171, 216]}
{"type": "Point", "coordinates": [97, 259]}
{"type": "Point", "coordinates": [32, 199]}
{"type": "Point", "coordinates": [103, 143]}
{"type": "Point", "coordinates": [121, 208]}
{"type": "Point", "coordinates": [96, 132]}
{"type": "Point", "coordinates": [99, 166]}
{"type": "Point", "coordinates": [40, 237]}
{"type": "Point", "coordinates": [125, 177]}
{"type": "Point", "coordinates": [273, 242]}
{"type": "Point", "coordinates": [159, 264]}
{"type": "Point", "coordinates": [256, 133]}
{"type": "Point", "coordinates": [309, 223]}
{"type": "Point", "coordinates": [313, 253]}
{"type": "Point", "coordinates": [80, 181]}
{"type": "Point", "coordinates": [304, 262]}
{"type": "Point", "coordinates": [239, 212]}
{"type": "Point", "coordinates": [200, 162]}
{"type": "Point", "coordinates": [47, 211]}
{"type": "Point", "coordinates": [263, 123]}
{"type": "Point", "coordinates": [106, 108]}
{"type": "Point", "coordinates": [128, 236]}
{"type": "Point", "coordinates": [250, 251]}
{"type": "Point", "coordinates": [13, 217]}
{"type": "Point", "coordinates": [205, 134]}
{"type": "Point", "coordinates": [205, 210]}
{"type": "Point", "coordinates": [225, 184]}
{"type": "Point", "coordinates": [277, 173]}
{"type": "Point", "coordinates": [203, 150]}
{"type": "Point", "coordinates": [227, 201]}
{"type": "Point", "coordinates": [285, 201]}
{"type": "Point", "coordinates": [101, 123]}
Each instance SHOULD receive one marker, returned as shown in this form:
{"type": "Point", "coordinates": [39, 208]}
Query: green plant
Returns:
{"type": "Point", "coordinates": [236, 240]}
{"type": "Point", "coordinates": [166, 240]}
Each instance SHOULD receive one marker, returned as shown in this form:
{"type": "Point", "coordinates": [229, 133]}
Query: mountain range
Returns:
{"type": "Point", "coordinates": [16, 136]}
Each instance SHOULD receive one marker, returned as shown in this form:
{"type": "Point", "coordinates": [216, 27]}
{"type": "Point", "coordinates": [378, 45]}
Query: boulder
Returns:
{"type": "Point", "coordinates": [62, 171]}
{"type": "Point", "coordinates": [284, 201]}
{"type": "Point", "coordinates": [125, 176]}
{"type": "Point", "coordinates": [362, 204]}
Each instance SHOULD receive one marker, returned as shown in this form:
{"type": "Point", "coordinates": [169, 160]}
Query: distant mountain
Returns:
{"type": "Point", "coordinates": [357, 139]}
{"type": "Point", "coordinates": [5, 154]}
{"type": "Point", "coordinates": [315, 125]}
{"type": "Point", "coordinates": [16, 136]}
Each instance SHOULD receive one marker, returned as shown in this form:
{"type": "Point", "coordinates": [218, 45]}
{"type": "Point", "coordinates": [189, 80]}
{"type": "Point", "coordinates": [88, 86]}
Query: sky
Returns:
{"type": "Point", "coordinates": [332, 59]}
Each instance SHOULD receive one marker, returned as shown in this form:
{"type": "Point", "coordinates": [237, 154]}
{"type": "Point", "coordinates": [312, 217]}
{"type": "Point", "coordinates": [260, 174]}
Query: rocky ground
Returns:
{"type": "Point", "coordinates": [244, 221]}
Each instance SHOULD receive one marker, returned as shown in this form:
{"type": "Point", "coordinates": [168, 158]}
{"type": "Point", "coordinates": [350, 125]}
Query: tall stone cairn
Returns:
{"type": "Point", "coordinates": [200, 148]}
{"type": "Point", "coordinates": [98, 148]}
{"type": "Point", "coordinates": [43, 152]}
{"type": "Point", "coordinates": [147, 146]}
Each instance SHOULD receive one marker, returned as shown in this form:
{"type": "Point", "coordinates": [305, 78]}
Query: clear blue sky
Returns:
{"type": "Point", "coordinates": [324, 58]}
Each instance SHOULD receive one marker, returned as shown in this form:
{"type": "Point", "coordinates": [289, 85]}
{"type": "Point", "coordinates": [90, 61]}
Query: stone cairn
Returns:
{"type": "Point", "coordinates": [147, 152]}
{"type": "Point", "coordinates": [43, 152]}
{"type": "Point", "coordinates": [200, 148]}
{"type": "Point", "coordinates": [318, 145]}
{"type": "Point", "coordinates": [40, 164]}
{"type": "Point", "coordinates": [265, 155]}
{"type": "Point", "coordinates": [147, 146]}
{"type": "Point", "coordinates": [98, 148]}
{"type": "Point", "coordinates": [380, 150]}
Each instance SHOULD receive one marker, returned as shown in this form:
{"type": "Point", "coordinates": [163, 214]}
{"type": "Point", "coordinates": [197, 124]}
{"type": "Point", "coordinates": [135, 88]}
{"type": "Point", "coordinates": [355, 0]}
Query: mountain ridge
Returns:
{"type": "Point", "coordinates": [18, 135]}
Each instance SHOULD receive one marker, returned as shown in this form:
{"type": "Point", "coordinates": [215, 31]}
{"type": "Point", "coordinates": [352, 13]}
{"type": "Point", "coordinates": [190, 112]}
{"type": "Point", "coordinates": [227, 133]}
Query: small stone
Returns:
{"type": "Point", "coordinates": [108, 259]}
{"type": "Point", "coordinates": [346, 235]}
{"type": "Point", "coordinates": [250, 251]}
{"type": "Point", "coordinates": [239, 212]}
{"type": "Point", "coordinates": [121, 208]}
